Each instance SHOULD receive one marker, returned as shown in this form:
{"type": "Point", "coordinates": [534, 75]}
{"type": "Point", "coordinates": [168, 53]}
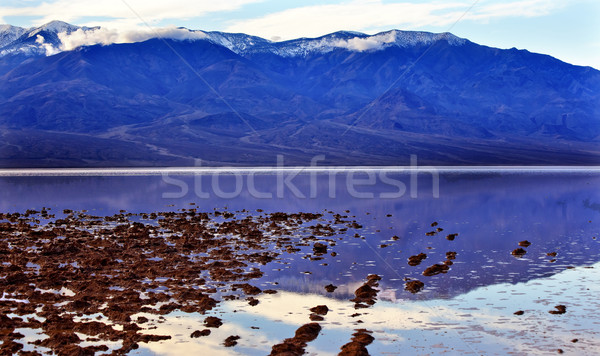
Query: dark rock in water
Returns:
{"type": "Point", "coordinates": [431, 233]}
{"type": "Point", "coordinates": [330, 288]}
{"type": "Point", "coordinates": [435, 269]}
{"type": "Point", "coordinates": [451, 237]}
{"type": "Point", "coordinates": [315, 317]}
{"type": "Point", "coordinates": [308, 332]}
{"type": "Point", "coordinates": [518, 252]}
{"type": "Point", "coordinates": [320, 309]}
{"type": "Point", "coordinates": [434, 224]}
{"type": "Point", "coordinates": [365, 292]}
{"type": "Point", "coordinates": [552, 254]}
{"type": "Point", "coordinates": [319, 248]}
{"type": "Point", "coordinates": [519, 312]}
{"type": "Point", "coordinates": [373, 277]}
{"type": "Point", "coordinates": [357, 346]}
{"type": "Point", "coordinates": [212, 322]}
{"type": "Point", "coordinates": [450, 255]}
{"type": "Point", "coordinates": [416, 259]}
{"type": "Point", "coordinates": [414, 286]}
{"type": "Point", "coordinates": [296, 344]}
{"type": "Point", "coordinates": [525, 243]}
{"type": "Point", "coordinates": [198, 333]}
{"type": "Point", "coordinates": [560, 309]}
{"type": "Point", "coordinates": [252, 301]}
{"type": "Point", "coordinates": [231, 341]}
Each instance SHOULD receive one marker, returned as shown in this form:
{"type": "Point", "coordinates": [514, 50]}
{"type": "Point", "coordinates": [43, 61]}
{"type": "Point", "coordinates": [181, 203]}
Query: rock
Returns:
{"type": "Point", "coordinates": [231, 341]}
{"type": "Point", "coordinates": [435, 269]}
{"type": "Point", "coordinates": [416, 259]}
{"type": "Point", "coordinates": [199, 333]}
{"type": "Point", "coordinates": [518, 252]}
{"type": "Point", "coordinates": [451, 237]}
{"type": "Point", "coordinates": [414, 286]}
{"type": "Point", "coordinates": [212, 322]}
{"type": "Point", "coordinates": [330, 288]}
{"type": "Point", "coordinates": [320, 309]}
{"type": "Point", "coordinates": [560, 309]}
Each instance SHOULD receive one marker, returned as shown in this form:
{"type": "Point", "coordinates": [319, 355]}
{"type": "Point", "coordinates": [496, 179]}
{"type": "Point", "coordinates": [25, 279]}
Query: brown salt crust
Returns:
{"type": "Point", "coordinates": [295, 345]}
{"type": "Point", "coordinates": [435, 269]}
{"type": "Point", "coordinates": [518, 252]}
{"type": "Point", "coordinates": [320, 309]}
{"type": "Point", "coordinates": [358, 344]}
{"type": "Point", "coordinates": [330, 288]}
{"type": "Point", "coordinates": [315, 317]}
{"type": "Point", "coordinates": [414, 286]}
{"type": "Point", "coordinates": [365, 295]}
{"type": "Point", "coordinates": [319, 248]}
{"type": "Point", "coordinates": [416, 259]}
{"type": "Point", "coordinates": [212, 322]}
{"type": "Point", "coordinates": [199, 333]}
{"type": "Point", "coordinates": [524, 243]}
{"type": "Point", "coordinates": [451, 237]}
{"type": "Point", "coordinates": [560, 309]}
{"type": "Point", "coordinates": [231, 341]}
{"type": "Point", "coordinates": [450, 255]}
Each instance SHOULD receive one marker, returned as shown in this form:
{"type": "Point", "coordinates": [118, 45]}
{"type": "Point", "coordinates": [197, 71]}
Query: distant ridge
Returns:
{"type": "Point", "coordinates": [238, 100]}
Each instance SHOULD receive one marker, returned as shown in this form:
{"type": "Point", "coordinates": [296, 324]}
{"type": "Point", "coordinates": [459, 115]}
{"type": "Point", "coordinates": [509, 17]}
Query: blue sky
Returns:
{"type": "Point", "coordinates": [568, 30]}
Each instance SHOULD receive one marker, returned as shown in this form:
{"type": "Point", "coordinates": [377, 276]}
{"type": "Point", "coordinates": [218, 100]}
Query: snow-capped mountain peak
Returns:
{"type": "Point", "coordinates": [54, 27]}
{"type": "Point", "coordinates": [9, 34]}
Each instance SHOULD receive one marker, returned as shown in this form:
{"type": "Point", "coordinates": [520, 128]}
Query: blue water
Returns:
{"type": "Point", "coordinates": [491, 211]}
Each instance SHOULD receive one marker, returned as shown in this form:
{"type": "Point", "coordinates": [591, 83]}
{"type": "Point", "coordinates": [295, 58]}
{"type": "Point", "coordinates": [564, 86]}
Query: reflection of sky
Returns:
{"type": "Point", "coordinates": [491, 212]}
{"type": "Point", "coordinates": [469, 309]}
{"type": "Point", "coordinates": [480, 321]}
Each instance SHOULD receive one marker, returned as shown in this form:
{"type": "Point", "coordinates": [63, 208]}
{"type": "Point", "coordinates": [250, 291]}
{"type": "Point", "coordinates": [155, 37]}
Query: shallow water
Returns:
{"type": "Point", "coordinates": [467, 310]}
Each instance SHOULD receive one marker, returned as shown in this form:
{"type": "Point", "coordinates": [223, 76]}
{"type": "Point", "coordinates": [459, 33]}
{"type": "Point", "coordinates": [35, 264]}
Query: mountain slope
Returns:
{"type": "Point", "coordinates": [358, 99]}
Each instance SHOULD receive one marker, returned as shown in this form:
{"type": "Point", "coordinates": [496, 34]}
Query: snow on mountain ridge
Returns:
{"type": "Point", "coordinates": [9, 34]}
{"type": "Point", "coordinates": [57, 36]}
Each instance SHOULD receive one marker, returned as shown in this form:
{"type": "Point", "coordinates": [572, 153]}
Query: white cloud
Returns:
{"type": "Point", "coordinates": [108, 36]}
{"type": "Point", "coordinates": [375, 15]}
{"type": "Point", "coordinates": [358, 15]}
{"type": "Point", "coordinates": [118, 11]}
{"type": "Point", "coordinates": [369, 43]}
{"type": "Point", "coordinates": [50, 50]}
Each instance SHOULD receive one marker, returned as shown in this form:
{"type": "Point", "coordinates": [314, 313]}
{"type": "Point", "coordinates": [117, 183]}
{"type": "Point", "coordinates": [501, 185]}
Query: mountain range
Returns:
{"type": "Point", "coordinates": [179, 96]}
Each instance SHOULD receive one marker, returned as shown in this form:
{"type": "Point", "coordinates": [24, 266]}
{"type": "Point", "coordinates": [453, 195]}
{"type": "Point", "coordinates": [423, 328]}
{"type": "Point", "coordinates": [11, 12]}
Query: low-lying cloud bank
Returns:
{"type": "Point", "coordinates": [374, 43]}
{"type": "Point", "coordinates": [81, 37]}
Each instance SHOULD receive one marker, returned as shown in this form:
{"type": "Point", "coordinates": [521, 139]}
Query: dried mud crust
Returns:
{"type": "Point", "coordinates": [89, 275]}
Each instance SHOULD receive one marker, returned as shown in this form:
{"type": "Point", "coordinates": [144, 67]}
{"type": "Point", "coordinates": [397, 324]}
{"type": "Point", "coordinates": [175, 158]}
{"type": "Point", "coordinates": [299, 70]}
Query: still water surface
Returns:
{"type": "Point", "coordinates": [468, 310]}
